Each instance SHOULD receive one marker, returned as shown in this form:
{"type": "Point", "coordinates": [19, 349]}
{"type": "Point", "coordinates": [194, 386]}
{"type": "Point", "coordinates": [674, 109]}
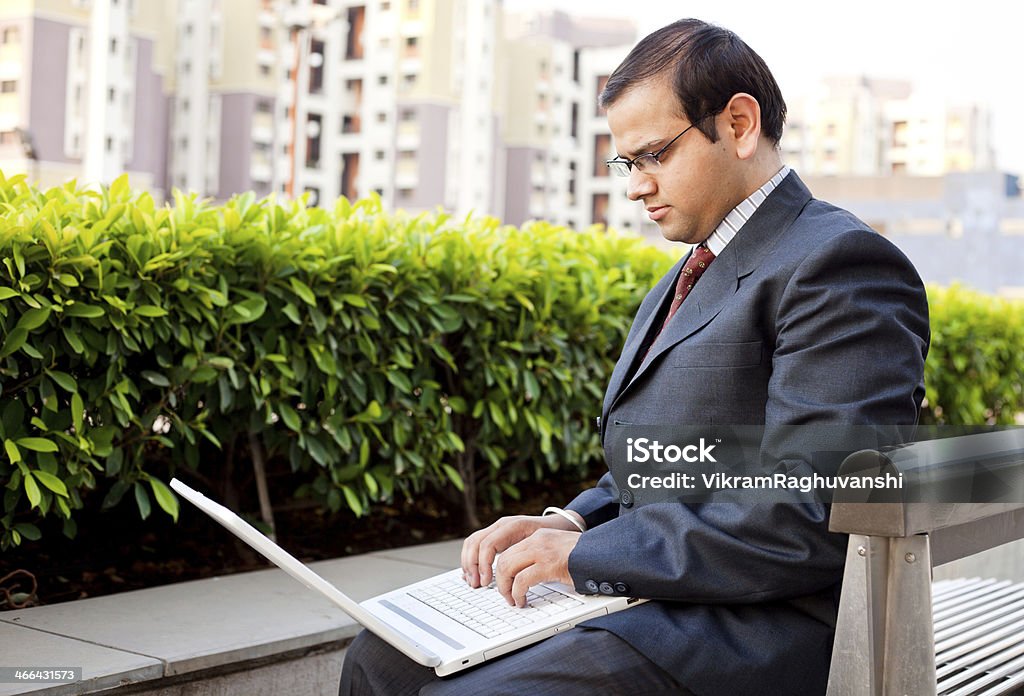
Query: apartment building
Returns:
{"type": "Point", "coordinates": [426, 103]}
{"type": "Point", "coordinates": [82, 91]}
{"type": "Point", "coordinates": [869, 127]}
{"type": "Point", "coordinates": [556, 137]}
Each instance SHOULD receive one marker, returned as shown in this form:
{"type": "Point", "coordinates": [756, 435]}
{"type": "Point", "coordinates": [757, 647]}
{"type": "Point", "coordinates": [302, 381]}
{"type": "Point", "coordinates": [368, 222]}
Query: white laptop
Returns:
{"type": "Point", "coordinates": [439, 622]}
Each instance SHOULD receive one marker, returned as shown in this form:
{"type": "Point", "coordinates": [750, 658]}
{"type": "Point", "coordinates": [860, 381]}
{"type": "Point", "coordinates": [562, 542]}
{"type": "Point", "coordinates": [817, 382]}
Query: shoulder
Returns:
{"type": "Point", "coordinates": [823, 231]}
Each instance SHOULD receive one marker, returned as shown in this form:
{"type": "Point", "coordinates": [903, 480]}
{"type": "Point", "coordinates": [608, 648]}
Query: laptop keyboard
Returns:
{"type": "Point", "coordinates": [485, 611]}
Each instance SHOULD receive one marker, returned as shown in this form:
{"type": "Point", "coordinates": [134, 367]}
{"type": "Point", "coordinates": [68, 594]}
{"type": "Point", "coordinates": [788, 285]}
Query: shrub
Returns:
{"type": "Point", "coordinates": [376, 354]}
{"type": "Point", "coordinates": [975, 369]}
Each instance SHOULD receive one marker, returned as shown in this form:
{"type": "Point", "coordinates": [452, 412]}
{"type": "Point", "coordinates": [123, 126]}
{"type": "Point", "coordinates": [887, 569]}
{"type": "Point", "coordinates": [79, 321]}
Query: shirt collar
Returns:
{"type": "Point", "coordinates": [735, 220]}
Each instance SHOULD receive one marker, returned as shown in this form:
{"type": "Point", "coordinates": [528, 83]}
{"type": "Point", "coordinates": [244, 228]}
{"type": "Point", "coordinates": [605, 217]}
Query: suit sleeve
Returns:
{"type": "Point", "coordinates": [851, 335]}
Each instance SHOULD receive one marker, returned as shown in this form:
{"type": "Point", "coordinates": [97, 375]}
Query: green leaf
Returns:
{"type": "Point", "coordinates": [532, 387]}
{"type": "Point", "coordinates": [150, 311]}
{"type": "Point", "coordinates": [83, 310]}
{"type": "Point", "coordinates": [12, 451]}
{"type": "Point", "coordinates": [142, 500]}
{"type": "Point", "coordinates": [292, 312]}
{"type": "Point", "coordinates": [38, 444]}
{"type": "Point", "coordinates": [355, 300]}
{"type": "Point", "coordinates": [8, 293]}
{"type": "Point", "coordinates": [73, 340]}
{"type": "Point", "coordinates": [63, 380]}
{"type": "Point", "coordinates": [51, 482]}
{"type": "Point", "coordinates": [352, 499]}
{"type": "Point", "coordinates": [400, 381]}
{"type": "Point", "coordinates": [164, 497]}
{"type": "Point", "coordinates": [454, 476]}
{"type": "Point", "coordinates": [77, 410]}
{"type": "Point", "coordinates": [290, 418]}
{"type": "Point", "coordinates": [303, 291]}
{"type": "Point", "coordinates": [15, 340]}
{"type": "Point", "coordinates": [33, 319]}
{"type": "Point", "coordinates": [32, 490]}
{"type": "Point", "coordinates": [155, 378]}
{"type": "Point", "coordinates": [29, 531]}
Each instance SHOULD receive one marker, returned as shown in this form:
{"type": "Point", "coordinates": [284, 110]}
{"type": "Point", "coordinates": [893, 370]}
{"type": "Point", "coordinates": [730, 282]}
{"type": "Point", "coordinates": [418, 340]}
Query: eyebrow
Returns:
{"type": "Point", "coordinates": [650, 146]}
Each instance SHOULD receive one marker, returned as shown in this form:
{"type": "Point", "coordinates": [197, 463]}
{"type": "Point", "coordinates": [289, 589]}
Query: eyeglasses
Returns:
{"type": "Point", "coordinates": [647, 162]}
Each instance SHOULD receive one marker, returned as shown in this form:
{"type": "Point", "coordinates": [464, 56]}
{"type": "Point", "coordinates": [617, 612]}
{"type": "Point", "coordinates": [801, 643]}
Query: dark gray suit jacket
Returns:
{"type": "Point", "coordinates": [806, 317]}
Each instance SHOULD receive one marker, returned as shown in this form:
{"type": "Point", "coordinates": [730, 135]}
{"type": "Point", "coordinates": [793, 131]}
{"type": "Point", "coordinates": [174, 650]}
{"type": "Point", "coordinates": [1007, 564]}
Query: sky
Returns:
{"type": "Point", "coordinates": [971, 51]}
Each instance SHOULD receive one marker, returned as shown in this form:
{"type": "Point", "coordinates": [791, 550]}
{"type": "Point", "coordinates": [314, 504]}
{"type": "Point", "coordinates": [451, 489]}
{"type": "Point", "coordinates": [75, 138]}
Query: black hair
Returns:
{"type": "Point", "coordinates": [707, 65]}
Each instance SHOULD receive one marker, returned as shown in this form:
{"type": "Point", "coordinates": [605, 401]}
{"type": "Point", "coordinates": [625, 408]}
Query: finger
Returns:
{"type": "Point", "coordinates": [485, 560]}
{"type": "Point", "coordinates": [525, 579]}
{"type": "Point", "coordinates": [504, 580]}
{"type": "Point", "coordinates": [470, 552]}
{"type": "Point", "coordinates": [509, 566]}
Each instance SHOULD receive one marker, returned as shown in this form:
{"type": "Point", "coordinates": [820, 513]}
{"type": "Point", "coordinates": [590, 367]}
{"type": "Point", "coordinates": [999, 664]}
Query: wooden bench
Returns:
{"type": "Point", "coordinates": [897, 633]}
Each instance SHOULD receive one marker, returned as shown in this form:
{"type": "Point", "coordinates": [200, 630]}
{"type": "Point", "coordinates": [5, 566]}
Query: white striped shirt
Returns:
{"type": "Point", "coordinates": [735, 220]}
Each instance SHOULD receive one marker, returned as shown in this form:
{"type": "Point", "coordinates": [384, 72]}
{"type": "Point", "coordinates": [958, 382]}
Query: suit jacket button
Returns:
{"type": "Point", "coordinates": [621, 588]}
{"type": "Point", "coordinates": [606, 588]}
{"type": "Point", "coordinates": [597, 422]}
{"type": "Point", "coordinates": [592, 586]}
{"type": "Point", "coordinates": [626, 498]}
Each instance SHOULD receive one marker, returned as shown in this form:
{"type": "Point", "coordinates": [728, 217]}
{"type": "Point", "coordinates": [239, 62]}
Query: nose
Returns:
{"type": "Point", "coordinates": [639, 185]}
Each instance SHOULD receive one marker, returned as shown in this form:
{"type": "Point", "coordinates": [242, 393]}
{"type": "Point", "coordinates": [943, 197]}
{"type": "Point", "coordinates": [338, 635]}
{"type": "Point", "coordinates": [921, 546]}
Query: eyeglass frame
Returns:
{"type": "Point", "coordinates": [656, 156]}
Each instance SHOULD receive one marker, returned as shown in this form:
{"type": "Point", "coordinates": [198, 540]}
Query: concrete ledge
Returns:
{"type": "Point", "coordinates": [163, 640]}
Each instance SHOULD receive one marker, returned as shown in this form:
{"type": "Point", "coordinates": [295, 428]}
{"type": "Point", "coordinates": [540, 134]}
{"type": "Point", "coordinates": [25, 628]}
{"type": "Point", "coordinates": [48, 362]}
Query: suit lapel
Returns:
{"type": "Point", "coordinates": [646, 317]}
{"type": "Point", "coordinates": [707, 298]}
{"type": "Point", "coordinates": [716, 287]}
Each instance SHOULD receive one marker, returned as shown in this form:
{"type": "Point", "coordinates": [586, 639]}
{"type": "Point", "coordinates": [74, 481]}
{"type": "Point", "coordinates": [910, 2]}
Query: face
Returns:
{"type": "Point", "coordinates": [689, 193]}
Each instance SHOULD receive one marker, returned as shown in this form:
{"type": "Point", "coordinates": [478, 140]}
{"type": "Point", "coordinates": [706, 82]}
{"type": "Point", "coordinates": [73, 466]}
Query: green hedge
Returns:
{"type": "Point", "coordinates": [376, 354]}
{"type": "Point", "coordinates": [975, 369]}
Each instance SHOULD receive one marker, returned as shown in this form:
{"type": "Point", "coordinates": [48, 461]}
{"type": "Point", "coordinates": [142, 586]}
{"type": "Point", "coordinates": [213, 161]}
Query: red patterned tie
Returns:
{"type": "Point", "coordinates": [693, 269]}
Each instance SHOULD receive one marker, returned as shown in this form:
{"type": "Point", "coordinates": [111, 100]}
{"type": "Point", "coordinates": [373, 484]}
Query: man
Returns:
{"type": "Point", "coordinates": [802, 315]}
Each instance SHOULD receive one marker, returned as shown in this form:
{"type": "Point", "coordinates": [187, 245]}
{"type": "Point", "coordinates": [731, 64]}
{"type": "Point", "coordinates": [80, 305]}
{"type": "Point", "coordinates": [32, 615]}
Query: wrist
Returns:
{"type": "Point", "coordinates": [573, 518]}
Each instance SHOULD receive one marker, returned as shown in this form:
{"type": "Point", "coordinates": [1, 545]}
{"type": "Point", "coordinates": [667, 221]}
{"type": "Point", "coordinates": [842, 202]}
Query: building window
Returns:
{"type": "Point", "coordinates": [349, 175]}
{"type": "Point", "coordinates": [599, 209]}
{"type": "Point", "coordinates": [351, 123]}
{"type": "Point", "coordinates": [113, 46]}
{"type": "Point", "coordinates": [382, 80]}
{"type": "Point", "coordinates": [313, 141]}
{"type": "Point", "coordinates": [8, 86]}
{"type": "Point", "coordinates": [412, 48]}
{"type": "Point", "coordinates": [354, 41]}
{"type": "Point", "coordinates": [316, 67]}
{"type": "Point", "coordinates": [265, 70]}
{"type": "Point", "coordinates": [602, 80]}
{"type": "Point", "coordinates": [382, 117]}
{"type": "Point", "coordinates": [407, 115]}
{"type": "Point", "coordinates": [602, 150]}
{"type": "Point", "coordinates": [111, 95]}
{"type": "Point", "coordinates": [408, 82]}
{"type": "Point", "coordinates": [10, 35]}
{"type": "Point", "coordinates": [405, 194]}
{"type": "Point", "coordinates": [379, 155]}
{"type": "Point", "coordinates": [385, 6]}
{"type": "Point", "coordinates": [314, 196]}
{"type": "Point", "coordinates": [110, 144]}
{"type": "Point", "coordinates": [413, 6]}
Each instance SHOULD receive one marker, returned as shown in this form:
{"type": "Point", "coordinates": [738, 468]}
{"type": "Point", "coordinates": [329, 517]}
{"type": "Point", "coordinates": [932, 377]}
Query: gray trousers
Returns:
{"type": "Point", "coordinates": [580, 661]}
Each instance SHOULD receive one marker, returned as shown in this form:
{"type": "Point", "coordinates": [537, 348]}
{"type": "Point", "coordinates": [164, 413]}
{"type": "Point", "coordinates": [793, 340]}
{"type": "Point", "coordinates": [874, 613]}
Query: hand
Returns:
{"type": "Point", "coordinates": [541, 557]}
{"type": "Point", "coordinates": [480, 548]}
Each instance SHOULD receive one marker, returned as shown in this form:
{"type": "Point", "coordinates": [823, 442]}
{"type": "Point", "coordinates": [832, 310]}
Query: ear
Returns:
{"type": "Point", "coordinates": [744, 124]}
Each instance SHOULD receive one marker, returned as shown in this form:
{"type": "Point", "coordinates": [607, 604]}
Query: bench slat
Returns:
{"type": "Point", "coordinates": [988, 671]}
